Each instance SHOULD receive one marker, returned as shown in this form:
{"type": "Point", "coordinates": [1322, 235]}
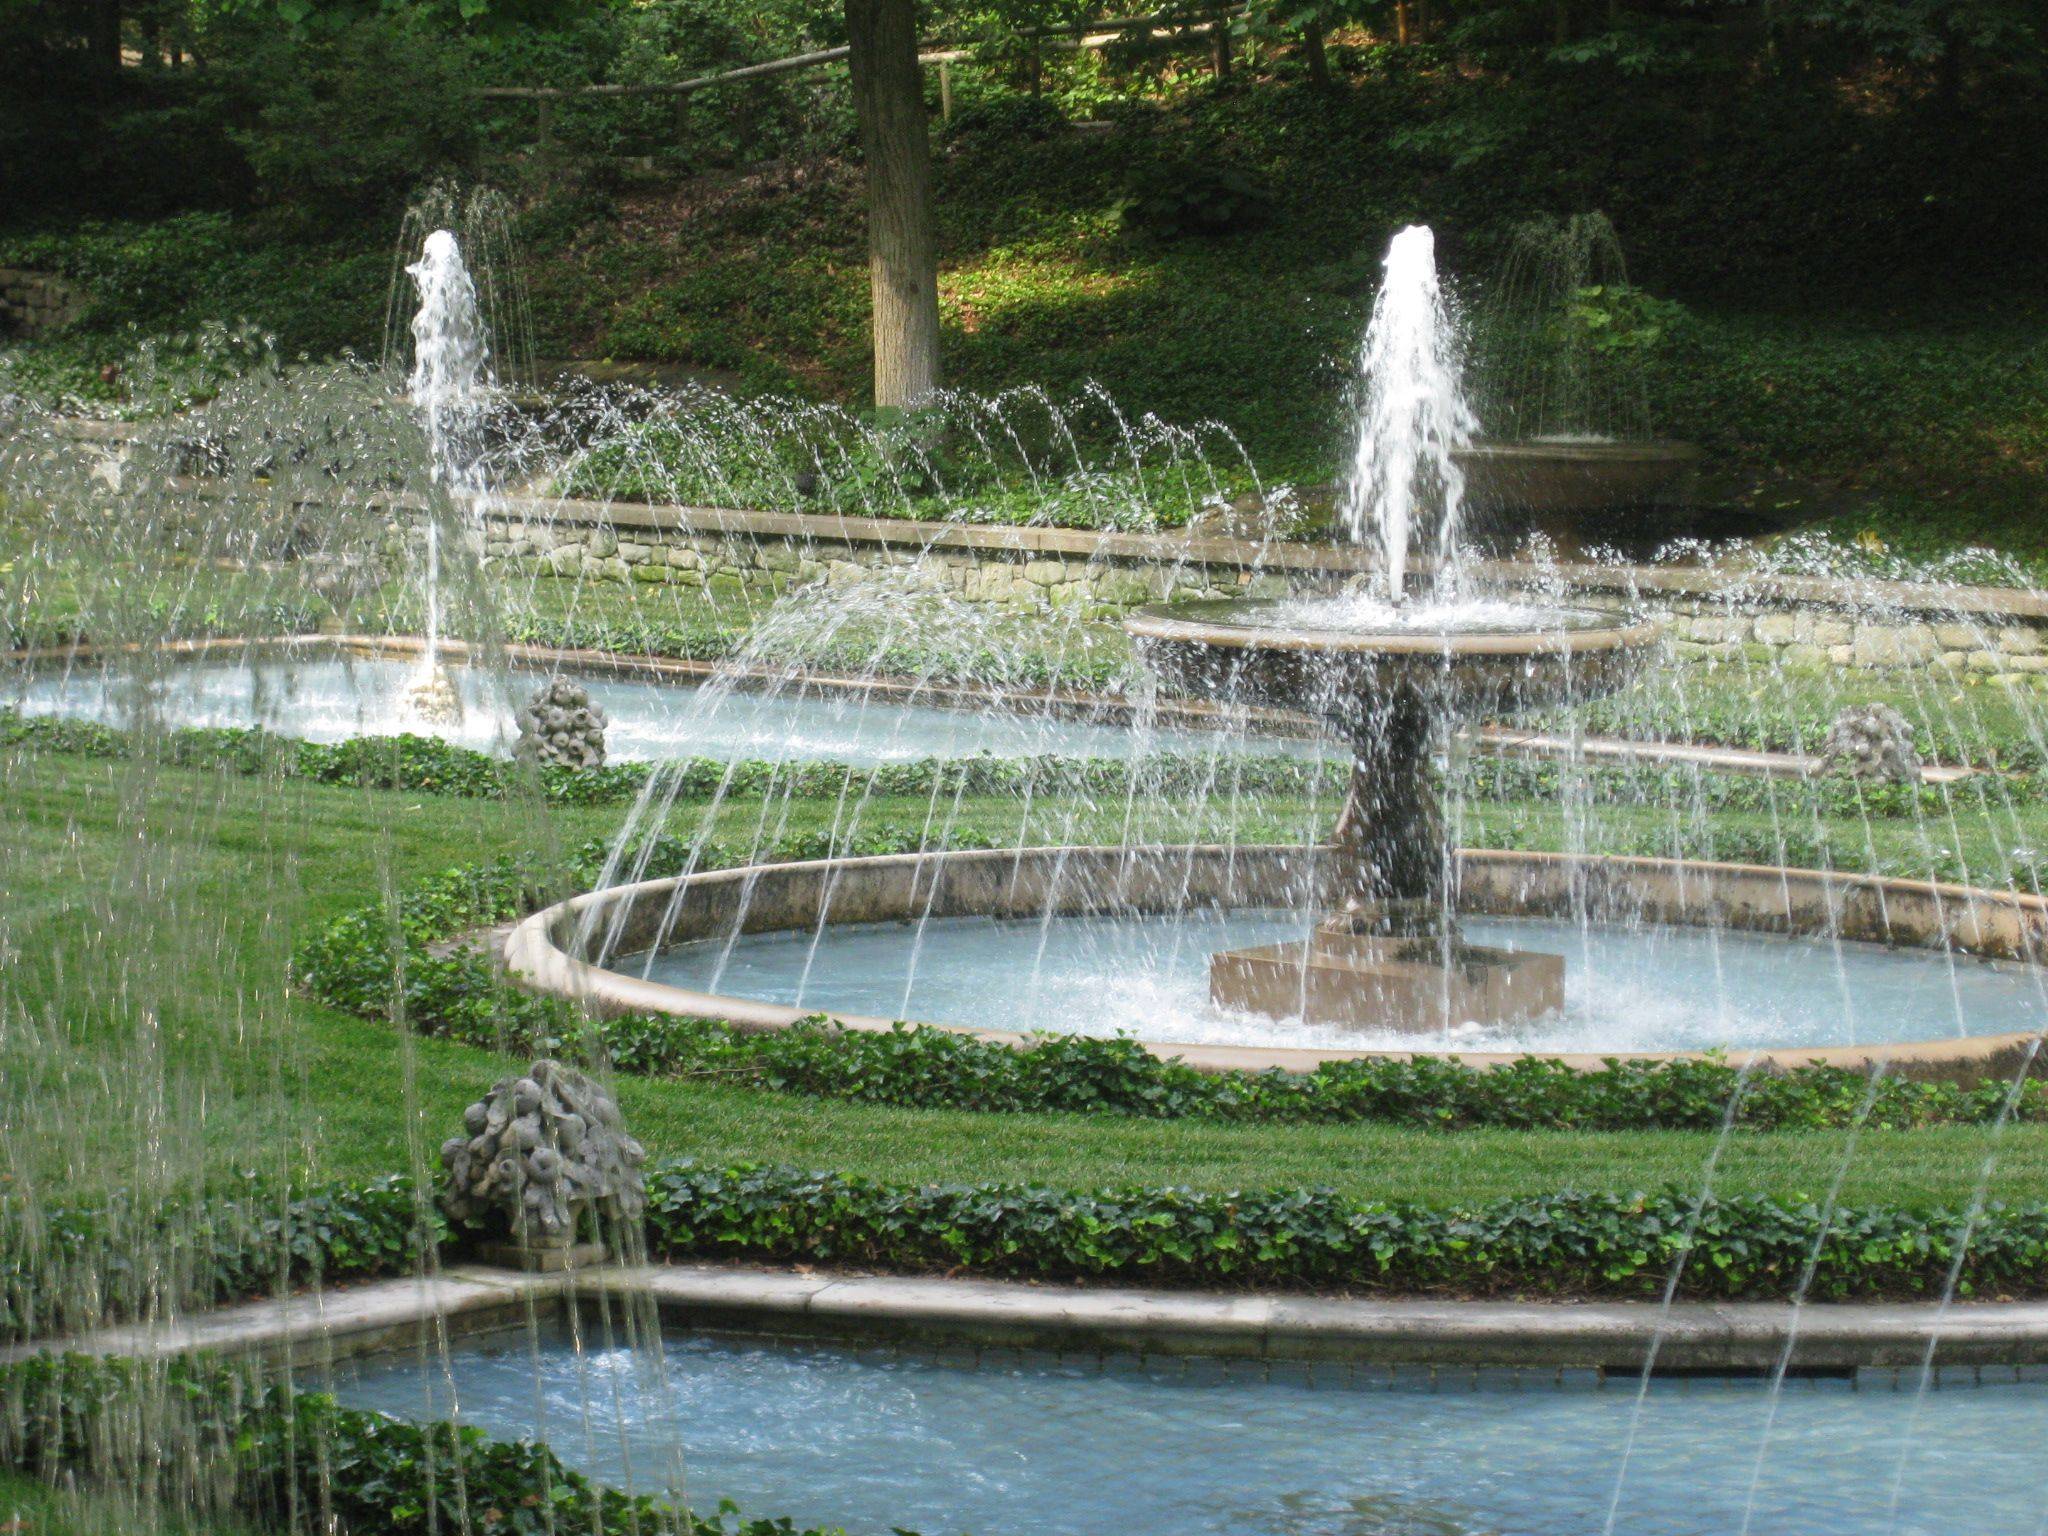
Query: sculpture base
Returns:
{"type": "Point", "coordinates": [1361, 981]}
{"type": "Point", "coordinates": [547, 1259]}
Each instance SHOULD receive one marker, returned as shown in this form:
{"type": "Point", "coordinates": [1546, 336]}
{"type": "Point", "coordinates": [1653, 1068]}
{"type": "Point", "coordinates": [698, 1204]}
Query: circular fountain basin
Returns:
{"type": "Point", "coordinates": [1673, 957]}
{"type": "Point", "coordinates": [1548, 475]}
{"type": "Point", "coordinates": [1332, 655]}
{"type": "Point", "coordinates": [334, 691]}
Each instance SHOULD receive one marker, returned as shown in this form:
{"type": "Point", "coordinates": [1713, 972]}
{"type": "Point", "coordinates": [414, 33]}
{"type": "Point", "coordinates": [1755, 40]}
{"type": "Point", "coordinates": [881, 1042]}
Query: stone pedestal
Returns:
{"type": "Point", "coordinates": [1373, 982]}
{"type": "Point", "coordinates": [543, 1258]}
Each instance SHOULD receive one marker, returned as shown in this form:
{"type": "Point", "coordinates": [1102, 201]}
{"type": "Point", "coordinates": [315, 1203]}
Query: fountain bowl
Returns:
{"type": "Point", "coordinates": [1274, 654]}
{"type": "Point", "coordinates": [1541, 475]}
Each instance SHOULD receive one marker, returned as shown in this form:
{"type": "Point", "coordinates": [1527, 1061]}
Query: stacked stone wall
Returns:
{"type": "Point", "coordinates": [32, 303]}
{"type": "Point", "coordinates": [1861, 629]}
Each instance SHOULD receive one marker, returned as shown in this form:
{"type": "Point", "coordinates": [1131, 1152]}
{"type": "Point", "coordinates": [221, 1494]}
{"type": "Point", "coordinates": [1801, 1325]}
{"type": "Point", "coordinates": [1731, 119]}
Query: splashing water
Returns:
{"type": "Point", "coordinates": [1412, 418]}
{"type": "Point", "coordinates": [449, 386]}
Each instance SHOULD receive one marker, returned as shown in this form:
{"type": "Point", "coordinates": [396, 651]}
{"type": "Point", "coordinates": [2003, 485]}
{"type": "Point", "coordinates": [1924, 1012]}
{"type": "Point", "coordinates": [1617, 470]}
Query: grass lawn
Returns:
{"type": "Point", "coordinates": [32, 1508]}
{"type": "Point", "coordinates": [147, 1040]}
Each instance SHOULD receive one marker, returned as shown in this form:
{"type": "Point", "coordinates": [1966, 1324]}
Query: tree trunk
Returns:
{"type": "Point", "coordinates": [1219, 48]}
{"type": "Point", "coordinates": [888, 99]}
{"type": "Point", "coordinates": [1401, 22]}
{"type": "Point", "coordinates": [1318, 57]}
{"type": "Point", "coordinates": [1560, 22]}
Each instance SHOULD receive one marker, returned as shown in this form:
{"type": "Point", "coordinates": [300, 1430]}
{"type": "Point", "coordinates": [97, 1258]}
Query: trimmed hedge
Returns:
{"type": "Point", "coordinates": [352, 965]}
{"type": "Point", "coordinates": [260, 1450]}
{"type": "Point", "coordinates": [427, 764]}
{"type": "Point", "coordinates": [1569, 1243]}
{"type": "Point", "coordinates": [72, 1268]}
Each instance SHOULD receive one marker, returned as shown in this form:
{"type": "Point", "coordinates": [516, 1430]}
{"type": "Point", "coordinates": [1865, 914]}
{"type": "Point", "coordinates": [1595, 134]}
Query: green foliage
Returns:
{"type": "Point", "coordinates": [1771, 711]}
{"type": "Point", "coordinates": [1619, 317]}
{"type": "Point", "coordinates": [74, 1268]}
{"type": "Point", "coordinates": [354, 119]}
{"type": "Point", "coordinates": [1194, 198]}
{"type": "Point", "coordinates": [431, 765]}
{"type": "Point", "coordinates": [1564, 1244]}
{"type": "Point", "coordinates": [182, 302]}
{"type": "Point", "coordinates": [1000, 120]}
{"type": "Point", "coordinates": [999, 462]}
{"type": "Point", "coordinates": [1822, 797]}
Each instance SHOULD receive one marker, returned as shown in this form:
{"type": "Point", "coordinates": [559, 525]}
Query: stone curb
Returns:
{"type": "Point", "coordinates": [1728, 1337]}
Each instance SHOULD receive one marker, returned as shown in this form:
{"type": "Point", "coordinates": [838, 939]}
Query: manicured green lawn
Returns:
{"type": "Point", "coordinates": [149, 1040]}
{"type": "Point", "coordinates": [32, 1508]}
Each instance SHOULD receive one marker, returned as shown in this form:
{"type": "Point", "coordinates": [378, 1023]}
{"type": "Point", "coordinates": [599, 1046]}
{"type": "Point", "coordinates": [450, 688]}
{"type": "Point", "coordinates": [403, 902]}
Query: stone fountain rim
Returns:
{"type": "Point", "coordinates": [1965, 918]}
{"type": "Point", "coordinates": [1655, 450]}
{"type": "Point", "coordinates": [1168, 622]}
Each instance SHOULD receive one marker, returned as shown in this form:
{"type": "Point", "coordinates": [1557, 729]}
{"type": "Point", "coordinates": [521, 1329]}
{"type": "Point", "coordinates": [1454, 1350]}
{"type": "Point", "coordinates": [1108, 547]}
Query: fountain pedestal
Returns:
{"type": "Point", "coordinates": [1386, 954]}
{"type": "Point", "coordinates": [1366, 981]}
{"type": "Point", "coordinates": [1388, 957]}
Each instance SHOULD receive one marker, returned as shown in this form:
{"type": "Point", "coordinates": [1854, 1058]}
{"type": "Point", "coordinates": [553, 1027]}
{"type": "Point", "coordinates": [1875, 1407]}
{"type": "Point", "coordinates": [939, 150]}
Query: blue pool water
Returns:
{"type": "Point", "coordinates": [333, 698]}
{"type": "Point", "coordinates": [878, 1440]}
{"type": "Point", "coordinates": [1649, 988]}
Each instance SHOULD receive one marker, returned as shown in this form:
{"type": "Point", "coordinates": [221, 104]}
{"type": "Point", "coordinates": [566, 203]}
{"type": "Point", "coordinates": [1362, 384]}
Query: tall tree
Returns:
{"type": "Point", "coordinates": [903, 262]}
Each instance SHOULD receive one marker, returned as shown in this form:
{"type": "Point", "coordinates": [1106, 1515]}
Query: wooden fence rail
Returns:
{"type": "Point", "coordinates": [1074, 38]}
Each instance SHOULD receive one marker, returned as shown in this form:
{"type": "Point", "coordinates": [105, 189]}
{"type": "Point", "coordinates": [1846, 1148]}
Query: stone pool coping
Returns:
{"type": "Point", "coordinates": [1058, 702]}
{"type": "Point", "coordinates": [953, 1313]}
{"type": "Point", "coordinates": [538, 952]}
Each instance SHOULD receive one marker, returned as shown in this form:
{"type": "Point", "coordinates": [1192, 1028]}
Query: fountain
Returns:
{"type": "Point", "coordinates": [1389, 673]}
{"type": "Point", "coordinates": [162, 1040]}
{"type": "Point", "coordinates": [1566, 396]}
{"type": "Point", "coordinates": [449, 386]}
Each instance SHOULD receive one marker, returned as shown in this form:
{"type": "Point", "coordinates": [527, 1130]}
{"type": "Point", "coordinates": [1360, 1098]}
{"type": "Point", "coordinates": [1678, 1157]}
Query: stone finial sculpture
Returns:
{"type": "Point", "coordinates": [1871, 741]}
{"type": "Point", "coordinates": [559, 724]}
{"type": "Point", "coordinates": [545, 1153]}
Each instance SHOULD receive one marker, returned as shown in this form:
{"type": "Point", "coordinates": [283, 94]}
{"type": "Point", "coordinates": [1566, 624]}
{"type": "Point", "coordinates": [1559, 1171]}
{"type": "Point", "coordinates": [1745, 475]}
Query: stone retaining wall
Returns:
{"type": "Point", "coordinates": [1819, 636]}
{"type": "Point", "coordinates": [1809, 622]}
{"type": "Point", "coordinates": [34, 302]}
{"type": "Point", "coordinates": [729, 564]}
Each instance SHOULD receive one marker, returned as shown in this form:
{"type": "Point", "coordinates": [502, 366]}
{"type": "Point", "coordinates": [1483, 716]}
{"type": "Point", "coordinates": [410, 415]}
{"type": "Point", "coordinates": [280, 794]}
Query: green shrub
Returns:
{"type": "Point", "coordinates": [353, 119]}
{"type": "Point", "coordinates": [1567, 1244]}
{"type": "Point", "coordinates": [1193, 198]}
{"type": "Point", "coordinates": [1001, 120]}
{"type": "Point", "coordinates": [70, 1269]}
{"type": "Point", "coordinates": [429, 764]}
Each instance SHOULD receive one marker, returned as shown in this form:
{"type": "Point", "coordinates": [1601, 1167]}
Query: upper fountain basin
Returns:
{"type": "Point", "coordinates": [1334, 656]}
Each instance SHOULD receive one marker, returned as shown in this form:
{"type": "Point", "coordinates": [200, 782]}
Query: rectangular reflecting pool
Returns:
{"type": "Point", "coordinates": [327, 697]}
{"type": "Point", "coordinates": [1009, 1444]}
